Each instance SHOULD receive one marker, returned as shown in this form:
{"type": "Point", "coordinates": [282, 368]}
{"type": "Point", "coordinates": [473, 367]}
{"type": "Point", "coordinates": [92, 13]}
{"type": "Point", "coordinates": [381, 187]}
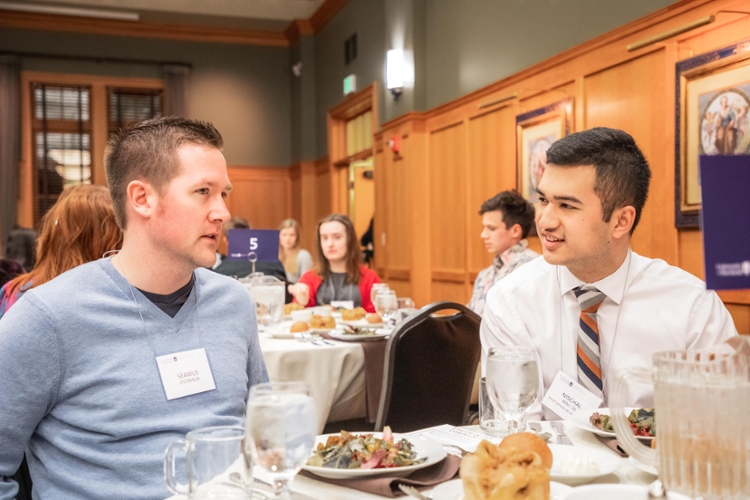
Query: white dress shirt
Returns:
{"type": "Point", "coordinates": [650, 307]}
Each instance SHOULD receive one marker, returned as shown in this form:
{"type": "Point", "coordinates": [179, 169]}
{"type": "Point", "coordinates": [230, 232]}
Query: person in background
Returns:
{"type": "Point", "coordinates": [507, 219]}
{"type": "Point", "coordinates": [339, 274]}
{"type": "Point", "coordinates": [593, 307]}
{"type": "Point", "coordinates": [242, 268]}
{"type": "Point", "coordinates": [368, 243]}
{"type": "Point", "coordinates": [297, 261]}
{"type": "Point", "coordinates": [21, 247]}
{"type": "Point", "coordinates": [106, 365]}
{"type": "Point", "coordinates": [9, 269]}
{"type": "Point", "coordinates": [80, 227]}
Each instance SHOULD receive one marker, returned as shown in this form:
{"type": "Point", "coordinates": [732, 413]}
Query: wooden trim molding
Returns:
{"type": "Point", "coordinates": [297, 28]}
{"type": "Point", "coordinates": [449, 276]}
{"type": "Point", "coordinates": [735, 296]}
{"type": "Point", "coordinates": [141, 29]}
{"type": "Point", "coordinates": [397, 274]}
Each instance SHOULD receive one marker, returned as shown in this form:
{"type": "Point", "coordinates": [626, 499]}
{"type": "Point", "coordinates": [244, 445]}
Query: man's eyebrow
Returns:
{"type": "Point", "coordinates": [571, 199]}
{"type": "Point", "coordinates": [206, 182]}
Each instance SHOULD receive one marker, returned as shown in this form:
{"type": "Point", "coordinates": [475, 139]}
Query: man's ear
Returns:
{"type": "Point", "coordinates": [516, 231]}
{"type": "Point", "coordinates": [622, 221]}
{"type": "Point", "coordinates": [140, 197]}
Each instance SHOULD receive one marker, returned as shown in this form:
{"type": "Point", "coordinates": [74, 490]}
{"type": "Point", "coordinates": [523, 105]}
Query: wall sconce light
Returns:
{"type": "Point", "coordinates": [394, 72]}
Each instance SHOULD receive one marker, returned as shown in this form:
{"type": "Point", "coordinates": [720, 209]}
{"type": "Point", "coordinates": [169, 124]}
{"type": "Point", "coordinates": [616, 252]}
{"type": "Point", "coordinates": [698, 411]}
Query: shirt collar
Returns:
{"type": "Point", "coordinates": [613, 286]}
{"type": "Point", "coordinates": [504, 258]}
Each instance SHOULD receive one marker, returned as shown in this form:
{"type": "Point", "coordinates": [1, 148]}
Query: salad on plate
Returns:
{"type": "Point", "coordinates": [364, 451]}
{"type": "Point", "coordinates": [642, 421]}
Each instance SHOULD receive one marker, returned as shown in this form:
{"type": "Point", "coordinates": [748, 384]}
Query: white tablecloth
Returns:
{"type": "Point", "coordinates": [336, 374]}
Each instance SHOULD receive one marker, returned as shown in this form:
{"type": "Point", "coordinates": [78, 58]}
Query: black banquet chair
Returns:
{"type": "Point", "coordinates": [430, 364]}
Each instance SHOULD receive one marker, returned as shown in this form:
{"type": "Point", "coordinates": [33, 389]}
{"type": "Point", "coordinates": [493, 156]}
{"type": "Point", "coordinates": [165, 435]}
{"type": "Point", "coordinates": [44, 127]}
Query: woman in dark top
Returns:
{"type": "Point", "coordinates": [339, 274]}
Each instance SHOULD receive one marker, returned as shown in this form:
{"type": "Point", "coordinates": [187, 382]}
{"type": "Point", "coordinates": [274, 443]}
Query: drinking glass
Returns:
{"type": "Point", "coordinates": [281, 428]}
{"type": "Point", "coordinates": [405, 308]}
{"type": "Point", "coordinates": [217, 465]}
{"type": "Point", "coordinates": [512, 378]}
{"type": "Point", "coordinates": [386, 305]}
{"type": "Point", "coordinates": [376, 288]}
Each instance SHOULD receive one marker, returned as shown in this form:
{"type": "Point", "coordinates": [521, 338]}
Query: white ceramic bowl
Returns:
{"type": "Point", "coordinates": [324, 311]}
{"type": "Point", "coordinates": [303, 315]}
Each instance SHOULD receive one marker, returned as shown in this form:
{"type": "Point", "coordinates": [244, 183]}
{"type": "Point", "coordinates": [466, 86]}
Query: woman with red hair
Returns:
{"type": "Point", "coordinates": [80, 227]}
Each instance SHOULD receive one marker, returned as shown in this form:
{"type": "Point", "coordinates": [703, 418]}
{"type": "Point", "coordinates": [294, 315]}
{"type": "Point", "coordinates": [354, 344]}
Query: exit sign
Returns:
{"type": "Point", "coordinates": [350, 84]}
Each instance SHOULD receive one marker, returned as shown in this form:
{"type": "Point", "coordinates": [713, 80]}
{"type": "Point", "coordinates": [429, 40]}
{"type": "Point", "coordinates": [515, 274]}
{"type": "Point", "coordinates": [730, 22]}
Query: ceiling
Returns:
{"type": "Point", "coordinates": [248, 14]}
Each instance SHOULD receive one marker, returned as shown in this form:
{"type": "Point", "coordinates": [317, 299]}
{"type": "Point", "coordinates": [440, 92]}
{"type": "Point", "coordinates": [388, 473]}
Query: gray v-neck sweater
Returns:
{"type": "Point", "coordinates": [80, 387]}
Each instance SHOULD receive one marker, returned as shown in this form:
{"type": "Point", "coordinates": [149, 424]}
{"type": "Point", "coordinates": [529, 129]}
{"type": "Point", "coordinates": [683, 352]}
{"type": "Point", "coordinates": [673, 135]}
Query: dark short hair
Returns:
{"type": "Point", "coordinates": [147, 150]}
{"type": "Point", "coordinates": [515, 210]}
{"type": "Point", "coordinates": [622, 172]}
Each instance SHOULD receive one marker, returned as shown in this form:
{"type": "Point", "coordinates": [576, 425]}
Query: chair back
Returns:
{"type": "Point", "coordinates": [430, 362]}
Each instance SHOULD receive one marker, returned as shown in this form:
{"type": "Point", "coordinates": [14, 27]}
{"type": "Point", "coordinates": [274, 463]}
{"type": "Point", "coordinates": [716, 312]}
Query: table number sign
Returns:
{"type": "Point", "coordinates": [725, 187]}
{"type": "Point", "coordinates": [254, 245]}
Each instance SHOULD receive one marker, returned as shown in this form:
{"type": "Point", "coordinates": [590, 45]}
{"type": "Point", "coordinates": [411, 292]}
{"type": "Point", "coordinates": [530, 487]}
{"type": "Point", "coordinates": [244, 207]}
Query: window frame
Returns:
{"type": "Point", "coordinates": [99, 125]}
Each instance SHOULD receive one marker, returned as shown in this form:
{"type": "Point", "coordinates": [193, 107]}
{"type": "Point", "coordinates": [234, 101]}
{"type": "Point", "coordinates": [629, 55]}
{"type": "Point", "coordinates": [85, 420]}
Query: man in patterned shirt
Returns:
{"type": "Point", "coordinates": [507, 219]}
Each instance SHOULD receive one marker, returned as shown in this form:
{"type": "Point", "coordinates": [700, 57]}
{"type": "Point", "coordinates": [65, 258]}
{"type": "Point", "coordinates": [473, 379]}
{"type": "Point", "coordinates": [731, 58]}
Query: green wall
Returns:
{"type": "Point", "coordinates": [243, 89]}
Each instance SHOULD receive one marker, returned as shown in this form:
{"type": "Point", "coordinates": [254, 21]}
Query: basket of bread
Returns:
{"type": "Point", "coordinates": [517, 469]}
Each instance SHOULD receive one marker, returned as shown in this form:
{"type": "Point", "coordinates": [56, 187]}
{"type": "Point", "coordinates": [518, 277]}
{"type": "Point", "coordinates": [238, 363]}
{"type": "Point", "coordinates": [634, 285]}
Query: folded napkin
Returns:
{"type": "Point", "coordinates": [387, 486]}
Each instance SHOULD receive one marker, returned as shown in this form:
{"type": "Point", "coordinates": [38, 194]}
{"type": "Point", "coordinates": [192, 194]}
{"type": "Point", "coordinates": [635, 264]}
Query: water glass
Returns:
{"type": "Point", "coordinates": [490, 421]}
{"type": "Point", "coordinates": [281, 429]}
{"type": "Point", "coordinates": [217, 466]}
{"type": "Point", "coordinates": [386, 305]}
{"type": "Point", "coordinates": [405, 308]}
{"type": "Point", "coordinates": [377, 287]}
{"type": "Point", "coordinates": [512, 379]}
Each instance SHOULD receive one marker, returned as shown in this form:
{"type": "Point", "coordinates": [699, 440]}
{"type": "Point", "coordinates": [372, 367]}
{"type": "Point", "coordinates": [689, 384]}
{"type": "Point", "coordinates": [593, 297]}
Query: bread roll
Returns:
{"type": "Point", "coordinates": [299, 326]}
{"type": "Point", "coordinates": [374, 318]}
{"type": "Point", "coordinates": [527, 441]}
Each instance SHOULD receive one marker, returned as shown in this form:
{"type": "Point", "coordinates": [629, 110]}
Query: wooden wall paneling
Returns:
{"type": "Point", "coordinates": [401, 287]}
{"type": "Point", "coordinates": [418, 161]}
{"type": "Point", "coordinates": [262, 195]}
{"type": "Point", "coordinates": [398, 199]}
{"type": "Point", "coordinates": [303, 202]}
{"type": "Point", "coordinates": [381, 207]}
{"type": "Point", "coordinates": [539, 99]}
{"type": "Point", "coordinates": [618, 98]}
{"type": "Point", "coordinates": [323, 191]}
{"type": "Point", "coordinates": [449, 291]}
{"type": "Point", "coordinates": [447, 208]}
{"type": "Point", "coordinates": [490, 168]}
{"type": "Point", "coordinates": [741, 315]}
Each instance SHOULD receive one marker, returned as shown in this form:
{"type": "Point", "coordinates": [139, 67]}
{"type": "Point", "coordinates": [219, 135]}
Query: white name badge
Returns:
{"type": "Point", "coordinates": [343, 304]}
{"type": "Point", "coordinates": [185, 373]}
{"type": "Point", "coordinates": [566, 396]}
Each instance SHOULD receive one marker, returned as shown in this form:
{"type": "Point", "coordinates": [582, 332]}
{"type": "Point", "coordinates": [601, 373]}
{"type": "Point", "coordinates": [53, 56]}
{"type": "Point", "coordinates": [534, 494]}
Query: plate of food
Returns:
{"type": "Point", "coordinates": [287, 329]}
{"type": "Point", "coordinates": [642, 421]}
{"type": "Point", "coordinates": [355, 314]}
{"type": "Point", "coordinates": [358, 334]}
{"type": "Point", "coordinates": [292, 306]}
{"type": "Point", "coordinates": [372, 320]}
{"type": "Point", "coordinates": [454, 490]}
{"type": "Point", "coordinates": [321, 324]}
{"type": "Point", "coordinates": [348, 455]}
{"type": "Point", "coordinates": [576, 465]}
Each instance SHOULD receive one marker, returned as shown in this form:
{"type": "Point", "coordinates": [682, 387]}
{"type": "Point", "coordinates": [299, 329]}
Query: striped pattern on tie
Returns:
{"type": "Point", "coordinates": [589, 366]}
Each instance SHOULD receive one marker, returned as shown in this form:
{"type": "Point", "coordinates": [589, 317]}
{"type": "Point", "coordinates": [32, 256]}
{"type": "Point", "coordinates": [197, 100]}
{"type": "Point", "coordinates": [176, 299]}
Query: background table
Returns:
{"type": "Point", "coordinates": [336, 374]}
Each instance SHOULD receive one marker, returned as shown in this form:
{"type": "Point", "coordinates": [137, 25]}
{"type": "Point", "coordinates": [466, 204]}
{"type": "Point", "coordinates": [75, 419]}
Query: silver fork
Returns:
{"type": "Point", "coordinates": [305, 337]}
{"type": "Point", "coordinates": [562, 438]}
{"type": "Point", "coordinates": [413, 492]}
{"type": "Point", "coordinates": [462, 452]}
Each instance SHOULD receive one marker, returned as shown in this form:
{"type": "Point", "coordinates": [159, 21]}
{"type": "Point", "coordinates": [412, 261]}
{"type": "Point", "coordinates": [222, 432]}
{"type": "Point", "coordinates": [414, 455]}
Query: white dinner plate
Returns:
{"type": "Point", "coordinates": [320, 330]}
{"type": "Point", "coordinates": [644, 467]}
{"type": "Point", "coordinates": [582, 420]}
{"type": "Point", "coordinates": [358, 337]}
{"type": "Point", "coordinates": [423, 447]}
{"type": "Point", "coordinates": [615, 492]}
{"type": "Point", "coordinates": [281, 331]}
{"type": "Point", "coordinates": [607, 462]}
{"type": "Point", "coordinates": [362, 323]}
{"type": "Point", "coordinates": [453, 490]}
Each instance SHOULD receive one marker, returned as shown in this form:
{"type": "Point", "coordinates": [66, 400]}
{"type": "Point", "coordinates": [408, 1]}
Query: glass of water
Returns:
{"type": "Point", "coordinates": [386, 305]}
{"type": "Point", "coordinates": [281, 429]}
{"type": "Point", "coordinates": [512, 379]}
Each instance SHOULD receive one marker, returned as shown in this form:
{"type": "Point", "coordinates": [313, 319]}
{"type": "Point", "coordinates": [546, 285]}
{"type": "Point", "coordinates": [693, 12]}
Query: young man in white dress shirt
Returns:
{"type": "Point", "coordinates": [592, 194]}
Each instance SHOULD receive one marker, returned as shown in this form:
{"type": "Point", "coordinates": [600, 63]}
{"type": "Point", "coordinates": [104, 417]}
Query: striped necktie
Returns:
{"type": "Point", "coordinates": [589, 366]}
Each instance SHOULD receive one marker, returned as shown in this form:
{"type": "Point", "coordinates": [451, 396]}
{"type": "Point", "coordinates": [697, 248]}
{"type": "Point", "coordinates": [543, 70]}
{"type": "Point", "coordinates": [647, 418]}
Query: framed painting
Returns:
{"type": "Point", "coordinates": [535, 132]}
{"type": "Point", "coordinates": [712, 102]}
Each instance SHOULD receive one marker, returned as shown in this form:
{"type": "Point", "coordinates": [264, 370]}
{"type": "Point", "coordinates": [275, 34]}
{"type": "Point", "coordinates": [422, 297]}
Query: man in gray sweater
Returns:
{"type": "Point", "coordinates": [90, 362]}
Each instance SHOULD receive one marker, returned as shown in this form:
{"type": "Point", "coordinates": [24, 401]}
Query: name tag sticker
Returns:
{"type": "Point", "coordinates": [185, 373]}
{"type": "Point", "coordinates": [566, 397]}
{"type": "Point", "coordinates": [344, 304]}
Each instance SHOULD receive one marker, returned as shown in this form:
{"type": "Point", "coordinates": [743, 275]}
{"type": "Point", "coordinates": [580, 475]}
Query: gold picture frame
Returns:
{"type": "Point", "coordinates": [535, 132]}
{"type": "Point", "coordinates": [713, 100]}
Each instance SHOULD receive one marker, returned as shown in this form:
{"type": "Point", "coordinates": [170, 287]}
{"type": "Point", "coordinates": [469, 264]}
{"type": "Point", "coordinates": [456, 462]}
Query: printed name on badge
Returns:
{"type": "Point", "coordinates": [566, 396]}
{"type": "Point", "coordinates": [185, 373]}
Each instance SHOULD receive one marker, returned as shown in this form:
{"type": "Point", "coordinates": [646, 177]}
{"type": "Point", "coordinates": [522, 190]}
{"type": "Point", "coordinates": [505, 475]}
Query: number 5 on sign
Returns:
{"type": "Point", "coordinates": [261, 245]}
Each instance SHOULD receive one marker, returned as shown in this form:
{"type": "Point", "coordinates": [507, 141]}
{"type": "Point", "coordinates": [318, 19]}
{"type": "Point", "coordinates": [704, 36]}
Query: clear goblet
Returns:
{"type": "Point", "coordinates": [281, 428]}
{"type": "Point", "coordinates": [376, 288]}
{"type": "Point", "coordinates": [386, 305]}
{"type": "Point", "coordinates": [512, 380]}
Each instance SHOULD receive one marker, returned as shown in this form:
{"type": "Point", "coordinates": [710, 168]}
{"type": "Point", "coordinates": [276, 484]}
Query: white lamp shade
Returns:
{"type": "Point", "coordinates": [394, 69]}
